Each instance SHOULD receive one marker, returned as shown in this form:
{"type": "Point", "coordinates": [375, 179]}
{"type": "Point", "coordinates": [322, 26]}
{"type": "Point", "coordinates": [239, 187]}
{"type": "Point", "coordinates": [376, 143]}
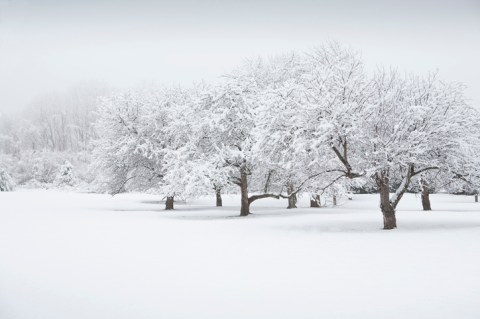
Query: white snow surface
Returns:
{"type": "Point", "coordinates": [70, 255]}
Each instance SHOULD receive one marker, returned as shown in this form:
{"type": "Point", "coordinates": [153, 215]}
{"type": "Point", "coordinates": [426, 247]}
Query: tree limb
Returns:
{"type": "Point", "coordinates": [253, 198]}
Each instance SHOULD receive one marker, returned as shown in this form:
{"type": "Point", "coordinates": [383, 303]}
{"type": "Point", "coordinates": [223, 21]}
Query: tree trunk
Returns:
{"type": "Point", "coordinates": [292, 201]}
{"type": "Point", "coordinates": [292, 197]}
{"type": "Point", "coordinates": [267, 182]}
{"type": "Point", "coordinates": [218, 196]}
{"type": "Point", "coordinates": [476, 198]}
{"type": "Point", "coordinates": [245, 207]}
{"type": "Point", "coordinates": [388, 211]}
{"type": "Point", "coordinates": [169, 203]}
{"type": "Point", "coordinates": [334, 200]}
{"type": "Point", "coordinates": [426, 198]}
{"type": "Point", "coordinates": [315, 201]}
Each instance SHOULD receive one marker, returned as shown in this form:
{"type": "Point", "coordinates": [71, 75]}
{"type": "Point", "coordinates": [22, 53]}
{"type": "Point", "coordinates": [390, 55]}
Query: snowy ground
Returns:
{"type": "Point", "coordinates": [67, 256]}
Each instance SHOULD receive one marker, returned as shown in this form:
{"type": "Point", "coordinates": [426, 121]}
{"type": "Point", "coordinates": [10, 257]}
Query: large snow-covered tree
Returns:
{"type": "Point", "coordinates": [412, 125]}
{"type": "Point", "coordinates": [230, 129]}
{"type": "Point", "coordinates": [310, 117]}
{"type": "Point", "coordinates": [148, 143]}
{"type": "Point", "coordinates": [127, 154]}
{"type": "Point", "coordinates": [191, 168]}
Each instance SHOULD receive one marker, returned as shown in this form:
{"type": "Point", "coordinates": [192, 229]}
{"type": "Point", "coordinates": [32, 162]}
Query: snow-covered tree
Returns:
{"type": "Point", "coordinates": [6, 182]}
{"type": "Point", "coordinates": [148, 143]}
{"type": "Point", "coordinates": [230, 132]}
{"type": "Point", "coordinates": [310, 118]}
{"type": "Point", "coordinates": [128, 154]}
{"type": "Point", "coordinates": [410, 126]}
{"type": "Point", "coordinates": [336, 90]}
{"type": "Point", "coordinates": [65, 174]}
{"type": "Point", "coordinates": [189, 163]}
{"type": "Point", "coordinates": [276, 84]}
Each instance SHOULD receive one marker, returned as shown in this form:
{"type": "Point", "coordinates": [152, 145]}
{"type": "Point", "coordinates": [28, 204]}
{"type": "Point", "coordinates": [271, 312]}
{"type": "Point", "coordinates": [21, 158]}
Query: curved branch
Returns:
{"type": "Point", "coordinates": [424, 170]}
{"type": "Point", "coordinates": [253, 198]}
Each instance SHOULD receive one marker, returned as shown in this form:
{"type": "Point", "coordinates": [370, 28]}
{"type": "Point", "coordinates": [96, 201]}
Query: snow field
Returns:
{"type": "Point", "coordinates": [70, 255]}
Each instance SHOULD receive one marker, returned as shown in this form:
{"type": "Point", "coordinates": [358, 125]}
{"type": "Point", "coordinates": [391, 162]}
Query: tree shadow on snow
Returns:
{"type": "Point", "coordinates": [376, 227]}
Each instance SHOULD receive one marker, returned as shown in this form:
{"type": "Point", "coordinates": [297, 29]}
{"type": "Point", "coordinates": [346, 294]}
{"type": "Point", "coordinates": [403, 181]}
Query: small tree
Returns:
{"type": "Point", "coordinates": [65, 175]}
{"type": "Point", "coordinates": [6, 182]}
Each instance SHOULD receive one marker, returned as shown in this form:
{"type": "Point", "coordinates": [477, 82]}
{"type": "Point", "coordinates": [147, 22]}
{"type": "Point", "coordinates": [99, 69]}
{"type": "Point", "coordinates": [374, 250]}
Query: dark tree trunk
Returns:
{"type": "Point", "coordinates": [218, 194]}
{"type": "Point", "coordinates": [334, 200]}
{"type": "Point", "coordinates": [169, 203]}
{"type": "Point", "coordinates": [476, 198]}
{"type": "Point", "coordinates": [292, 197]}
{"type": "Point", "coordinates": [292, 201]}
{"type": "Point", "coordinates": [426, 198]}
{"type": "Point", "coordinates": [315, 201]}
{"type": "Point", "coordinates": [245, 207]}
{"type": "Point", "coordinates": [388, 210]}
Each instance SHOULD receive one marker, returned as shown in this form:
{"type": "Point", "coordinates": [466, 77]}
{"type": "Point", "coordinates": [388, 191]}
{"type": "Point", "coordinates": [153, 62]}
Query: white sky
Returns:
{"type": "Point", "coordinates": [50, 45]}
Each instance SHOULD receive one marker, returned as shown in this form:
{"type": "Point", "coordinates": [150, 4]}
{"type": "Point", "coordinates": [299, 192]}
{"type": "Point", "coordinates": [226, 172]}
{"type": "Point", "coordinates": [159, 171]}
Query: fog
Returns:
{"type": "Point", "coordinates": [50, 45]}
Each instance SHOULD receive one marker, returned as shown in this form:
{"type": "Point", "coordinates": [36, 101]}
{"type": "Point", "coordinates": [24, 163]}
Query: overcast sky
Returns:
{"type": "Point", "coordinates": [50, 45]}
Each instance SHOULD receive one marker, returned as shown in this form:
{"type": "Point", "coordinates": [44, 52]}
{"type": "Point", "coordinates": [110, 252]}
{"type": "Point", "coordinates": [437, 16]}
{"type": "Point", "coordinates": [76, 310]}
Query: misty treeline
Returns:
{"type": "Point", "coordinates": [38, 142]}
{"type": "Point", "coordinates": [312, 123]}
{"type": "Point", "coordinates": [55, 122]}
